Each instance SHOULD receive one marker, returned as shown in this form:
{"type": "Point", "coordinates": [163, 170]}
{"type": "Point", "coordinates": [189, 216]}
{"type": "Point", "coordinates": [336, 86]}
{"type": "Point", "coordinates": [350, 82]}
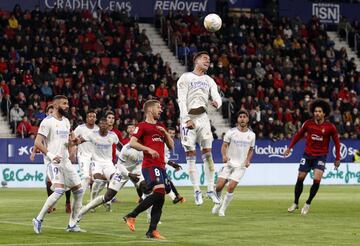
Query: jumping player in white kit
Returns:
{"type": "Point", "coordinates": [54, 131]}
{"type": "Point", "coordinates": [237, 151]}
{"type": "Point", "coordinates": [85, 150]}
{"type": "Point", "coordinates": [194, 91]}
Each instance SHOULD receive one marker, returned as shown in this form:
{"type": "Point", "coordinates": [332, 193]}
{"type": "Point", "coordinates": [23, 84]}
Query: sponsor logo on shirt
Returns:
{"type": "Point", "coordinates": [157, 138]}
{"type": "Point", "coordinates": [315, 137]}
{"type": "Point", "coordinates": [199, 85]}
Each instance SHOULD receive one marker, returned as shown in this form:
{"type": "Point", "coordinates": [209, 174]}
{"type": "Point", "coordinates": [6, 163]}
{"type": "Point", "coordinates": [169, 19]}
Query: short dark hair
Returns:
{"type": "Point", "coordinates": [150, 103]}
{"type": "Point", "coordinates": [102, 119]}
{"type": "Point", "coordinates": [200, 53]}
{"type": "Point", "coordinates": [109, 113]}
{"type": "Point", "coordinates": [48, 107]}
{"type": "Point", "coordinates": [91, 111]}
{"type": "Point", "coordinates": [58, 97]}
{"type": "Point", "coordinates": [320, 103]}
{"type": "Point", "coordinates": [243, 111]}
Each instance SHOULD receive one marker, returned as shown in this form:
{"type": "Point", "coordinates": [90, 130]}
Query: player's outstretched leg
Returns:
{"type": "Point", "coordinates": [97, 187]}
{"type": "Point", "coordinates": [109, 195]}
{"type": "Point", "coordinates": [50, 202]}
{"type": "Point", "coordinates": [297, 192]}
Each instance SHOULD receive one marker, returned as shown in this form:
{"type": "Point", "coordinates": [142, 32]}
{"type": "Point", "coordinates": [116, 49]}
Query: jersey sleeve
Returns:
{"type": "Point", "coordinates": [252, 144]}
{"type": "Point", "coordinates": [77, 131]}
{"type": "Point", "coordinates": [299, 135]}
{"type": "Point", "coordinates": [182, 91]}
{"type": "Point", "coordinates": [139, 131]}
{"type": "Point", "coordinates": [335, 137]}
{"type": "Point", "coordinates": [227, 137]}
{"type": "Point", "coordinates": [214, 93]}
{"type": "Point", "coordinates": [44, 128]}
{"type": "Point", "coordinates": [115, 139]}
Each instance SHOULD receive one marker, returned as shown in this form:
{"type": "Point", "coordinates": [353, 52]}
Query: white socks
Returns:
{"type": "Point", "coordinates": [194, 178]}
{"type": "Point", "coordinates": [97, 187]}
{"type": "Point", "coordinates": [226, 201]}
{"type": "Point", "coordinates": [50, 202]}
{"type": "Point", "coordinates": [92, 204]}
{"type": "Point", "coordinates": [85, 183]}
{"type": "Point", "coordinates": [209, 170]}
{"type": "Point", "coordinates": [76, 206]}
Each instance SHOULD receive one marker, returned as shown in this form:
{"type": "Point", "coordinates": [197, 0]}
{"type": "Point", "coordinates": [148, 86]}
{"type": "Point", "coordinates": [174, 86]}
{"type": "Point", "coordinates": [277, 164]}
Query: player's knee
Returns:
{"type": "Point", "coordinates": [206, 151]}
{"type": "Point", "coordinates": [144, 188]}
{"type": "Point", "coordinates": [191, 153]}
{"type": "Point", "coordinates": [317, 181]}
{"type": "Point", "coordinates": [59, 191]}
{"type": "Point", "coordinates": [98, 176]}
{"type": "Point", "coordinates": [109, 195]}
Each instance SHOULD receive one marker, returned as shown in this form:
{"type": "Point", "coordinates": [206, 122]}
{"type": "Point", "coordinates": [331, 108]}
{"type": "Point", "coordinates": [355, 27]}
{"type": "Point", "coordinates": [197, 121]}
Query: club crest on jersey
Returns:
{"type": "Point", "coordinates": [315, 137]}
{"type": "Point", "coordinates": [157, 138]}
{"type": "Point", "coordinates": [323, 130]}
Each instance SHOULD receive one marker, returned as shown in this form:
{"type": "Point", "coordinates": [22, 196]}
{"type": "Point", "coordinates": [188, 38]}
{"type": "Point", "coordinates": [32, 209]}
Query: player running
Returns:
{"type": "Point", "coordinates": [150, 136]}
{"type": "Point", "coordinates": [85, 150]}
{"type": "Point", "coordinates": [317, 141]}
{"type": "Point", "coordinates": [194, 91]}
{"type": "Point", "coordinates": [103, 168]}
{"type": "Point", "coordinates": [237, 151]}
{"type": "Point", "coordinates": [54, 131]}
{"type": "Point", "coordinates": [102, 142]}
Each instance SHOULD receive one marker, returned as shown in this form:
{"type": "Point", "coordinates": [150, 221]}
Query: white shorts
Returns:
{"type": "Point", "coordinates": [233, 173]}
{"type": "Point", "coordinates": [64, 173]}
{"type": "Point", "coordinates": [118, 181]}
{"type": "Point", "coordinates": [106, 169]}
{"type": "Point", "coordinates": [85, 166]}
{"type": "Point", "coordinates": [201, 134]}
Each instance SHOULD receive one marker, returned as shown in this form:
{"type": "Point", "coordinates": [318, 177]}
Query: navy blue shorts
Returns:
{"type": "Point", "coordinates": [308, 163]}
{"type": "Point", "coordinates": [154, 176]}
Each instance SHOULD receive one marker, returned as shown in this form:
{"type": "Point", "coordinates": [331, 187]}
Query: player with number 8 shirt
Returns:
{"type": "Point", "coordinates": [150, 136]}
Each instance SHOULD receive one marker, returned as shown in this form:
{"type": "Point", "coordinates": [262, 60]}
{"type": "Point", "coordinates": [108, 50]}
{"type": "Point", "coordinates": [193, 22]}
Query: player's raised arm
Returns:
{"type": "Point", "coordinates": [215, 96]}
{"type": "Point", "coordinates": [182, 91]}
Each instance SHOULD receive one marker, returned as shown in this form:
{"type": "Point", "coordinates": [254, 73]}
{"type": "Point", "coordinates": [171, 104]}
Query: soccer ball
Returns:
{"type": "Point", "coordinates": [212, 22]}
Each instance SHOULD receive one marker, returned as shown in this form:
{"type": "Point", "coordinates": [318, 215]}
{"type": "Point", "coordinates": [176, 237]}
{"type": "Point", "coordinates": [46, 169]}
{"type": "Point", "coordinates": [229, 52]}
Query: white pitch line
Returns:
{"type": "Point", "coordinates": [98, 233]}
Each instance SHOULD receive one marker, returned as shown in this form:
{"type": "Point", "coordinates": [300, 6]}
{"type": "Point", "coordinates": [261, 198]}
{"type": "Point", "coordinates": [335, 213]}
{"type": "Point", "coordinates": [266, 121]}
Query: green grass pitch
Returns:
{"type": "Point", "coordinates": [256, 216]}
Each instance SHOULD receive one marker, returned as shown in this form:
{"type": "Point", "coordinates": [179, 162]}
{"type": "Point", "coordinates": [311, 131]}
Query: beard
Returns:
{"type": "Point", "coordinates": [63, 112]}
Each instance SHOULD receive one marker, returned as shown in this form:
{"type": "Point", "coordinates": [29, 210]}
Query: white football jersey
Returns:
{"type": "Point", "coordinates": [239, 145]}
{"type": "Point", "coordinates": [85, 149]}
{"type": "Point", "coordinates": [130, 157]}
{"type": "Point", "coordinates": [102, 146]}
{"type": "Point", "coordinates": [57, 136]}
{"type": "Point", "coordinates": [195, 91]}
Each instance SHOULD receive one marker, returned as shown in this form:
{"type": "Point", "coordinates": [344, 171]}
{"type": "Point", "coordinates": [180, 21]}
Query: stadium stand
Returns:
{"type": "Point", "coordinates": [271, 69]}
